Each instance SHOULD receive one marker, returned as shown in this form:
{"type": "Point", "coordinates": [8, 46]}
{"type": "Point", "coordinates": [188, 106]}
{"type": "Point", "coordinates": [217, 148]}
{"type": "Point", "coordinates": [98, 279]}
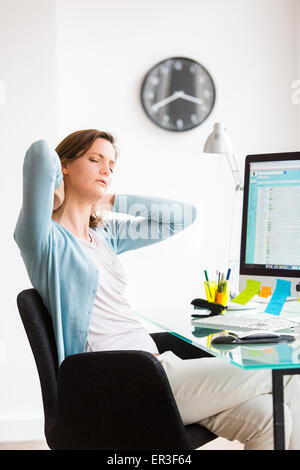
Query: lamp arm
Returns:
{"type": "Point", "coordinates": [235, 240]}
{"type": "Point", "coordinates": [235, 224]}
{"type": "Point", "coordinates": [235, 171]}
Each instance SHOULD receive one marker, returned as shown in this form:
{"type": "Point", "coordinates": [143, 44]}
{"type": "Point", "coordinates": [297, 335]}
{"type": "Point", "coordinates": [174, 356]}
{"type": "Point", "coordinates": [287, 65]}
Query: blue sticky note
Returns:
{"type": "Point", "coordinates": [277, 301]}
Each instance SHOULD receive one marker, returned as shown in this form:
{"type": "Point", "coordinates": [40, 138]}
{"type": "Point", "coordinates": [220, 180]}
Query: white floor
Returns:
{"type": "Point", "coordinates": [217, 444]}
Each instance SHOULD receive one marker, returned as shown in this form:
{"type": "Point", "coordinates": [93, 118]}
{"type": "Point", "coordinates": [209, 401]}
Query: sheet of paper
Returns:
{"type": "Point", "coordinates": [252, 289]}
{"type": "Point", "coordinates": [282, 291]}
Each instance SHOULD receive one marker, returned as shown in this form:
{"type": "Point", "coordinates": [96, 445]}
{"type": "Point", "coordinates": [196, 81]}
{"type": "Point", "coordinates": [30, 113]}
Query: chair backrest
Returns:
{"type": "Point", "coordinates": [39, 330]}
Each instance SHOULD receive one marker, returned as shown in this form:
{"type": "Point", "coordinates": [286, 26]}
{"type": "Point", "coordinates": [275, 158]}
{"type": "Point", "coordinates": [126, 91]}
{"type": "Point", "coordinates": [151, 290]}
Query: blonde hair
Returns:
{"type": "Point", "coordinates": [77, 144]}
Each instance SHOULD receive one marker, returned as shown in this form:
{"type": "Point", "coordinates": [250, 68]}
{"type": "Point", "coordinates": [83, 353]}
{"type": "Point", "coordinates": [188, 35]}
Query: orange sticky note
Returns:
{"type": "Point", "coordinates": [265, 291]}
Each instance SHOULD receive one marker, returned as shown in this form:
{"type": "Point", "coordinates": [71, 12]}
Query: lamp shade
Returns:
{"type": "Point", "coordinates": [218, 141]}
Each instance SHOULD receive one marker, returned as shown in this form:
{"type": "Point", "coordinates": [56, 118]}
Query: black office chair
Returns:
{"type": "Point", "coordinates": [117, 400]}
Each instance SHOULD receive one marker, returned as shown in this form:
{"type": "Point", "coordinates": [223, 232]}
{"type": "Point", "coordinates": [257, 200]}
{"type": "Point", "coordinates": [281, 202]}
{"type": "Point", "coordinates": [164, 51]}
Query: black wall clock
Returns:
{"type": "Point", "coordinates": [178, 94]}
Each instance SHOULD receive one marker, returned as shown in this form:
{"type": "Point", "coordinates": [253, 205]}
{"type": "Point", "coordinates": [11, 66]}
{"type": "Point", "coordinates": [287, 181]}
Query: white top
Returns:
{"type": "Point", "coordinates": [113, 325]}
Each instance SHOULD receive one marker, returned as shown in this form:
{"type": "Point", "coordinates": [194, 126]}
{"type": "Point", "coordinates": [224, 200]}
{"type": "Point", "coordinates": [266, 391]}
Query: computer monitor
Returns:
{"type": "Point", "coordinates": [270, 240]}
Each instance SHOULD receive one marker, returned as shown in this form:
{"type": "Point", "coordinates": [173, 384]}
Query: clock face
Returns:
{"type": "Point", "coordinates": [178, 94]}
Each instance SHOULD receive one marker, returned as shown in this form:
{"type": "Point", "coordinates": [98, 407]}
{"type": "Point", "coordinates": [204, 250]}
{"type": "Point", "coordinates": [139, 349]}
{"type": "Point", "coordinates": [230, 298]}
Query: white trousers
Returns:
{"type": "Point", "coordinates": [232, 402]}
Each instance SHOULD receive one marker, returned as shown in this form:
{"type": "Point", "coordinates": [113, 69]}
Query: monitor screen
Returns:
{"type": "Point", "coordinates": [270, 244]}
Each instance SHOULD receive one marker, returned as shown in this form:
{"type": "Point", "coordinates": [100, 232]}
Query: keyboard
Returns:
{"type": "Point", "coordinates": [262, 321]}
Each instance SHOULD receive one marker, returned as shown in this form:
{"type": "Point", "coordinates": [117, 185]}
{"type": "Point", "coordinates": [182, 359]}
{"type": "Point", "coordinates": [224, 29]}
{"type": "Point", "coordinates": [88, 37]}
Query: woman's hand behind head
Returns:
{"type": "Point", "coordinates": [59, 196]}
{"type": "Point", "coordinates": [106, 203]}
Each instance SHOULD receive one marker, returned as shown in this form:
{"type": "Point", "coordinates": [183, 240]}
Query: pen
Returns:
{"type": "Point", "coordinates": [228, 274]}
{"type": "Point", "coordinates": [206, 277]}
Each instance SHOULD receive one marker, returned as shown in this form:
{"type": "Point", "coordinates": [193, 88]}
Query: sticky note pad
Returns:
{"type": "Point", "coordinates": [252, 288]}
{"type": "Point", "coordinates": [265, 291]}
{"type": "Point", "coordinates": [282, 291]}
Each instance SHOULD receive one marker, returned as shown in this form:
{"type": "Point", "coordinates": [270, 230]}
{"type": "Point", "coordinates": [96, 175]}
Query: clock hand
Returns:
{"type": "Point", "coordinates": [184, 96]}
{"type": "Point", "coordinates": [175, 96]}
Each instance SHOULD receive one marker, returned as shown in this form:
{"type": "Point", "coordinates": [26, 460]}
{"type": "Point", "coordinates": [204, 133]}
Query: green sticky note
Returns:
{"type": "Point", "coordinates": [252, 288]}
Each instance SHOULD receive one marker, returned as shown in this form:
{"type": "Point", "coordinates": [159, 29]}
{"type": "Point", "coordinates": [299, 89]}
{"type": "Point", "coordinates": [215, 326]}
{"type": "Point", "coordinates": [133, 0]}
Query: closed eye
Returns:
{"type": "Point", "coordinates": [97, 161]}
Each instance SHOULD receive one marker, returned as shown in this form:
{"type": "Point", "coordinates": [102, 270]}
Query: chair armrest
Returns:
{"type": "Point", "coordinates": [116, 400]}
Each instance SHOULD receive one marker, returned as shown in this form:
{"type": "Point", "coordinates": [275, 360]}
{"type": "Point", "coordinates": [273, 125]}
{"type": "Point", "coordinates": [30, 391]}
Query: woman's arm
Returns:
{"type": "Point", "coordinates": [41, 175]}
{"type": "Point", "coordinates": [151, 220]}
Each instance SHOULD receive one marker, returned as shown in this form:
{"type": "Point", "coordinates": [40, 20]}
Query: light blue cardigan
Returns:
{"type": "Point", "coordinates": [57, 266]}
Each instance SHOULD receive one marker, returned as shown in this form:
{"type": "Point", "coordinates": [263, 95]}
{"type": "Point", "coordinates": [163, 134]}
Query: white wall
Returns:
{"type": "Point", "coordinates": [81, 66]}
{"type": "Point", "coordinates": [27, 66]}
{"type": "Point", "coordinates": [298, 71]}
{"type": "Point", "coordinates": [250, 49]}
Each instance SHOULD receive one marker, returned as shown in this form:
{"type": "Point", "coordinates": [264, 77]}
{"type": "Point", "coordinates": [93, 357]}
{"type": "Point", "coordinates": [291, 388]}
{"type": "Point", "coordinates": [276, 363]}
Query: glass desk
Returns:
{"type": "Point", "coordinates": [282, 358]}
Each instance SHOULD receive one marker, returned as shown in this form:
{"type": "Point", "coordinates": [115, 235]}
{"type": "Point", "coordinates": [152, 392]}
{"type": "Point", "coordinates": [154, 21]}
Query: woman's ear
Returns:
{"type": "Point", "coordinates": [64, 168]}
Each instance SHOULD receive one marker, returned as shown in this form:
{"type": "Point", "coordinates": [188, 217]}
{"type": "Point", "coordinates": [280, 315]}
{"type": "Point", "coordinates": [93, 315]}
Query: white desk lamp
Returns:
{"type": "Point", "coordinates": [218, 142]}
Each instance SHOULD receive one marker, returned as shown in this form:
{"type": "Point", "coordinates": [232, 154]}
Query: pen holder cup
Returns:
{"type": "Point", "coordinates": [222, 295]}
{"type": "Point", "coordinates": [210, 290]}
{"type": "Point", "coordinates": [217, 294]}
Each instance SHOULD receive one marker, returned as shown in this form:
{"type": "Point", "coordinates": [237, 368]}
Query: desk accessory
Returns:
{"type": "Point", "coordinates": [208, 288]}
{"type": "Point", "coordinates": [217, 291]}
{"type": "Point", "coordinates": [265, 292]}
{"type": "Point", "coordinates": [259, 337]}
{"type": "Point", "coordinates": [278, 299]}
{"type": "Point", "coordinates": [253, 321]}
{"type": "Point", "coordinates": [223, 292]}
{"type": "Point", "coordinates": [252, 289]}
{"type": "Point", "coordinates": [218, 142]}
{"type": "Point", "coordinates": [214, 308]}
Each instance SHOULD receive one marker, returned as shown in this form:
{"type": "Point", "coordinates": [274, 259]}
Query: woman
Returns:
{"type": "Point", "coordinates": [70, 254]}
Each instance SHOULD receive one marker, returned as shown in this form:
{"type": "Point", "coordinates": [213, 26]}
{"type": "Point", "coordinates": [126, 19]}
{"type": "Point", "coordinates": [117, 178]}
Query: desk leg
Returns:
{"type": "Point", "coordinates": [278, 409]}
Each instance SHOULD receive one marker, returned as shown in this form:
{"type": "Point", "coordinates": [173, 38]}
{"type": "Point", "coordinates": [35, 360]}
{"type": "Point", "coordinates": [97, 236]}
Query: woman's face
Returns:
{"type": "Point", "coordinates": [89, 176]}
